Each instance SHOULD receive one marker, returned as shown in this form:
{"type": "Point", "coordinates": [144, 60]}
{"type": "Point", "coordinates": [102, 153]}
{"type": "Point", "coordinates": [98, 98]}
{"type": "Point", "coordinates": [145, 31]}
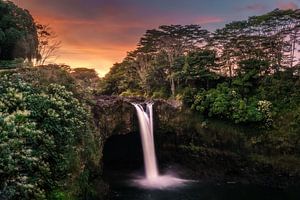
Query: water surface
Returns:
{"type": "Point", "coordinates": [123, 189]}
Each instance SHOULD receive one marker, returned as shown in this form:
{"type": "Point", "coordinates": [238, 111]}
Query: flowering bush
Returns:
{"type": "Point", "coordinates": [22, 165]}
{"type": "Point", "coordinates": [42, 135]}
{"type": "Point", "coordinates": [265, 108]}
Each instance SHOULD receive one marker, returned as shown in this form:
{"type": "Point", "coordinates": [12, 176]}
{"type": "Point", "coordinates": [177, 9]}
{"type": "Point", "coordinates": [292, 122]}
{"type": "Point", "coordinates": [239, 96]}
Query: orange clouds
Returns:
{"type": "Point", "coordinates": [98, 33]}
{"type": "Point", "coordinates": [287, 5]}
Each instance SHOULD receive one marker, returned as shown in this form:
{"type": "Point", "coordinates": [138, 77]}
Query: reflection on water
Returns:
{"type": "Point", "coordinates": [122, 189]}
{"type": "Point", "coordinates": [159, 182]}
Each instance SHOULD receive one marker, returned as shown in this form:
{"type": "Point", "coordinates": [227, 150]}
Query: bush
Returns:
{"type": "Point", "coordinates": [160, 94]}
{"type": "Point", "coordinates": [188, 94]}
{"type": "Point", "coordinates": [44, 136]}
{"type": "Point", "coordinates": [9, 64]}
{"type": "Point", "coordinates": [129, 93]}
{"type": "Point", "coordinates": [225, 103]}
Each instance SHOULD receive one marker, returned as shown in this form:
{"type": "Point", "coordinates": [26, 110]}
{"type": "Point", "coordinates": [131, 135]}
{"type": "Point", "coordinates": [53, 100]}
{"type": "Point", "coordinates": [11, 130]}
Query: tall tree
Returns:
{"type": "Point", "coordinates": [121, 77]}
{"type": "Point", "coordinates": [272, 36]}
{"type": "Point", "coordinates": [86, 78]}
{"type": "Point", "coordinates": [198, 68]}
{"type": "Point", "coordinates": [18, 34]}
{"type": "Point", "coordinates": [172, 42]}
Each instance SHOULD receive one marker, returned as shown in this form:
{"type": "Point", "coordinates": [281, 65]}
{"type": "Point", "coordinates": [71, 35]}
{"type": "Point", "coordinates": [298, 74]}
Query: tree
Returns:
{"type": "Point", "coordinates": [249, 74]}
{"type": "Point", "coordinates": [294, 43]}
{"type": "Point", "coordinates": [223, 42]}
{"type": "Point", "coordinates": [198, 68]}
{"type": "Point", "coordinates": [172, 42]}
{"type": "Point", "coordinates": [272, 37]}
{"type": "Point", "coordinates": [48, 44]}
{"type": "Point", "coordinates": [121, 77]}
{"type": "Point", "coordinates": [88, 79]}
{"type": "Point", "coordinates": [18, 34]}
{"type": "Point", "coordinates": [280, 29]}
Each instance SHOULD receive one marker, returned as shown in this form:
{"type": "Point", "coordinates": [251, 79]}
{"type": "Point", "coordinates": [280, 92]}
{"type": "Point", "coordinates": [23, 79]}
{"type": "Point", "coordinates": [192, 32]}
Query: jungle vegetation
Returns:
{"type": "Point", "coordinates": [246, 74]}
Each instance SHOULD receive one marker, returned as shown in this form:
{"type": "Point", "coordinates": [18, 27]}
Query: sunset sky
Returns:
{"type": "Point", "coordinates": [98, 33]}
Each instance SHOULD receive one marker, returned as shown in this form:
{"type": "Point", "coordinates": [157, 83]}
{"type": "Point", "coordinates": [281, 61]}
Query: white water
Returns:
{"type": "Point", "coordinates": [153, 179]}
{"type": "Point", "coordinates": [146, 126]}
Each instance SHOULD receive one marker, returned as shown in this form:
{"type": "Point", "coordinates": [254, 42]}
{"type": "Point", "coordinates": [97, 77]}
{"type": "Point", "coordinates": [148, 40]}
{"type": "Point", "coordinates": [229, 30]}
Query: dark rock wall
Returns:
{"type": "Point", "coordinates": [217, 153]}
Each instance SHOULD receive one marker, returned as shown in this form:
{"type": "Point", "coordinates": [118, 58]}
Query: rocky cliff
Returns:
{"type": "Point", "coordinates": [199, 145]}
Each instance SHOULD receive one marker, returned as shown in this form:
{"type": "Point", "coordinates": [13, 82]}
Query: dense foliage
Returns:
{"type": "Point", "coordinates": [18, 35]}
{"type": "Point", "coordinates": [246, 75]}
{"type": "Point", "coordinates": [230, 74]}
{"type": "Point", "coordinates": [225, 102]}
{"type": "Point", "coordinates": [46, 138]}
{"type": "Point", "coordinates": [48, 141]}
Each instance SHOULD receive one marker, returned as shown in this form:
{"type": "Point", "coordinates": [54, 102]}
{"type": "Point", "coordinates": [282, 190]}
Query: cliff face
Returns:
{"type": "Point", "coordinates": [204, 149]}
{"type": "Point", "coordinates": [115, 115]}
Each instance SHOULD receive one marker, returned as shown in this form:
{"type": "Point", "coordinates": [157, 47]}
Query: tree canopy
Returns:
{"type": "Point", "coordinates": [18, 34]}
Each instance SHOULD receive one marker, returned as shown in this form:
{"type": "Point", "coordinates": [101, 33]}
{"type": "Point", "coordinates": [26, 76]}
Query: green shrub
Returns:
{"type": "Point", "coordinates": [130, 93]}
{"type": "Point", "coordinates": [160, 94]}
{"type": "Point", "coordinates": [9, 64]}
{"type": "Point", "coordinates": [225, 103]}
{"type": "Point", "coordinates": [44, 134]}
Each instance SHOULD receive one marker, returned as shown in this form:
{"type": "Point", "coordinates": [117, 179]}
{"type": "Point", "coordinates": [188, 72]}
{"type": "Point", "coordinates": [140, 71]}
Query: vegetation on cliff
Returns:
{"type": "Point", "coordinates": [241, 81]}
{"type": "Point", "coordinates": [240, 84]}
{"type": "Point", "coordinates": [246, 73]}
{"type": "Point", "coordinates": [48, 138]}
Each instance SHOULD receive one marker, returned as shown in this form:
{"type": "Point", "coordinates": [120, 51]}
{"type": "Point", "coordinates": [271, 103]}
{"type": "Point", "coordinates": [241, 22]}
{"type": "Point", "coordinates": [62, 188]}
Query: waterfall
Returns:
{"type": "Point", "coordinates": [146, 130]}
{"type": "Point", "coordinates": [153, 180]}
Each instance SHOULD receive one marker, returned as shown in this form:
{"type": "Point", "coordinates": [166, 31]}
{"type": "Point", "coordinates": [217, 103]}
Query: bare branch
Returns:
{"type": "Point", "coordinates": [48, 44]}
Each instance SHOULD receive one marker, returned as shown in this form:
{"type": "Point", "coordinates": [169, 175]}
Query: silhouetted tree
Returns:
{"type": "Point", "coordinates": [48, 44]}
{"type": "Point", "coordinates": [18, 35]}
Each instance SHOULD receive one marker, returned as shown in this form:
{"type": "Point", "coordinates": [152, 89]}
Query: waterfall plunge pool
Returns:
{"type": "Point", "coordinates": [123, 165]}
{"type": "Point", "coordinates": [122, 187]}
{"type": "Point", "coordinates": [129, 180]}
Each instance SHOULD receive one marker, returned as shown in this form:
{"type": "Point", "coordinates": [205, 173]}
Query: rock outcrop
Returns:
{"type": "Point", "coordinates": [205, 149]}
{"type": "Point", "coordinates": [116, 115]}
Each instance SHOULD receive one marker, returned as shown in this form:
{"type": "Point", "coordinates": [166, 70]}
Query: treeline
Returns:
{"type": "Point", "coordinates": [172, 57]}
{"type": "Point", "coordinates": [237, 73]}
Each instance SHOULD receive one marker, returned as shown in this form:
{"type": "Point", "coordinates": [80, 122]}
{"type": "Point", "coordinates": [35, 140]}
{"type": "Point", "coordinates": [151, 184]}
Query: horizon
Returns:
{"type": "Point", "coordinates": [97, 34]}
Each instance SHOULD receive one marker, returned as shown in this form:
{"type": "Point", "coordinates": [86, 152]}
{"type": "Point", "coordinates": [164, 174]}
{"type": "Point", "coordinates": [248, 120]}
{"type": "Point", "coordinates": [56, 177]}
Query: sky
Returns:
{"type": "Point", "coordinates": [98, 33]}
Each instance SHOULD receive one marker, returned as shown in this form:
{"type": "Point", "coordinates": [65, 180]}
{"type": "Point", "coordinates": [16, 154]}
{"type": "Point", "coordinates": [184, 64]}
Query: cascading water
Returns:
{"type": "Point", "coordinates": [146, 126]}
{"type": "Point", "coordinates": [153, 179]}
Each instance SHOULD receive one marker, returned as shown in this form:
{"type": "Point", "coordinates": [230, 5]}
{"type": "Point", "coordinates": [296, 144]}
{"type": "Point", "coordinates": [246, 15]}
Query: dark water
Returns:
{"type": "Point", "coordinates": [122, 189]}
{"type": "Point", "coordinates": [123, 158]}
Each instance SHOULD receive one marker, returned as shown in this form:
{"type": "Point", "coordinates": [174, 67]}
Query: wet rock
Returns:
{"type": "Point", "coordinates": [116, 115]}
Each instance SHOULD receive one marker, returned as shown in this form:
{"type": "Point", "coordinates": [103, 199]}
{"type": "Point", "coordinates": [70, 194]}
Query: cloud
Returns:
{"type": "Point", "coordinates": [256, 7]}
{"type": "Point", "coordinates": [208, 20]}
{"type": "Point", "coordinates": [287, 5]}
{"type": "Point", "coordinates": [100, 32]}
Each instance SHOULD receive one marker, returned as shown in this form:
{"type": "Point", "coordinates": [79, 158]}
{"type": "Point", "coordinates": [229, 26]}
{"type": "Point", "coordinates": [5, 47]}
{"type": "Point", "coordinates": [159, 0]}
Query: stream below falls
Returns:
{"type": "Point", "coordinates": [123, 187]}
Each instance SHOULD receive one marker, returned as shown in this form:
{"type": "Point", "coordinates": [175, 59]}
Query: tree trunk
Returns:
{"type": "Point", "coordinates": [230, 71]}
{"type": "Point", "coordinates": [173, 86]}
{"type": "Point", "coordinates": [294, 38]}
